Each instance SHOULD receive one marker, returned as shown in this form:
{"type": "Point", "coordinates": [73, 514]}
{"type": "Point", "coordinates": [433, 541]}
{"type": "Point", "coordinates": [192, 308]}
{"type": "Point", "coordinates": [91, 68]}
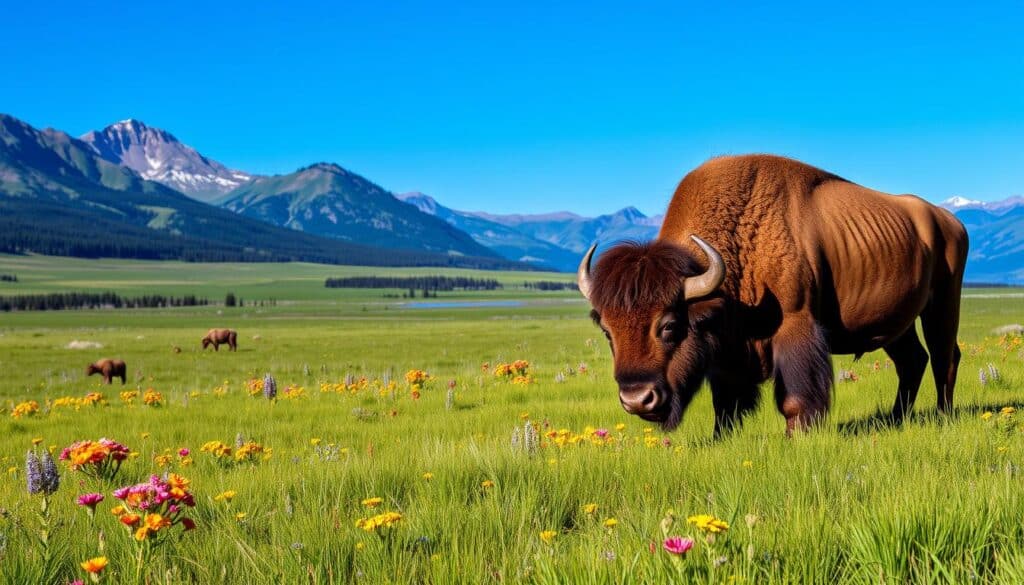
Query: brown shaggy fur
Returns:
{"type": "Point", "coordinates": [217, 337]}
{"type": "Point", "coordinates": [109, 368]}
{"type": "Point", "coordinates": [815, 265]}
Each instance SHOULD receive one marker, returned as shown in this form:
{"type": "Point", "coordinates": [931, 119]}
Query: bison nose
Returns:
{"type": "Point", "coordinates": [639, 398]}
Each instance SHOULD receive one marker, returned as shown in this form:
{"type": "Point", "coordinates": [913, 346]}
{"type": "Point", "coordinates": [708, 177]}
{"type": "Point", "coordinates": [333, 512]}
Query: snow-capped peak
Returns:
{"type": "Point", "coordinates": [959, 202]}
{"type": "Point", "coordinates": [158, 156]}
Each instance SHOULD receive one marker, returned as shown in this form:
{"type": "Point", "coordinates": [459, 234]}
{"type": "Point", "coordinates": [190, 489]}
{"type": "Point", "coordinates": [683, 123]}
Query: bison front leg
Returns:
{"type": "Point", "coordinates": [734, 396]}
{"type": "Point", "coordinates": [803, 372]}
{"type": "Point", "coordinates": [910, 360]}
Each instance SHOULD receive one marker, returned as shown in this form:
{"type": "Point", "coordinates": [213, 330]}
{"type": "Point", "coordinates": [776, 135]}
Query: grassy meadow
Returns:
{"type": "Point", "coordinates": [541, 479]}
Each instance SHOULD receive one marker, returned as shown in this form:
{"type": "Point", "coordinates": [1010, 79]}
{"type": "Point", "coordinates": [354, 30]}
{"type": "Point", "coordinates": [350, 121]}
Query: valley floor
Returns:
{"type": "Point", "coordinates": [541, 479]}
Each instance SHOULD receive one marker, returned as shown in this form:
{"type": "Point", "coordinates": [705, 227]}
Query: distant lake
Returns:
{"type": "Point", "coordinates": [460, 304]}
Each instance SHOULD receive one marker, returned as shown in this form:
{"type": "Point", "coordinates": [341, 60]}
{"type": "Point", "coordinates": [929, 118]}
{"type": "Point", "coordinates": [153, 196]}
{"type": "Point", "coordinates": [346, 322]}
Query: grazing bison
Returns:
{"type": "Point", "coordinates": [110, 369]}
{"type": "Point", "coordinates": [216, 337]}
{"type": "Point", "coordinates": [765, 266]}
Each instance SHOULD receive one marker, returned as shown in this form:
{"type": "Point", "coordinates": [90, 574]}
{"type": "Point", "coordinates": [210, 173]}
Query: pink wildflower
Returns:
{"type": "Point", "coordinates": [90, 500]}
{"type": "Point", "coordinates": [677, 545]}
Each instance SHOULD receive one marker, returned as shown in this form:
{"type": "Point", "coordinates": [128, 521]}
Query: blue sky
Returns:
{"type": "Point", "coordinates": [533, 107]}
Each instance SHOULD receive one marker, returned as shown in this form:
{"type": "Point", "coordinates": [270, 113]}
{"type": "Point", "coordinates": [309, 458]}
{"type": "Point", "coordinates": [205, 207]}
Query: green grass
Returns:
{"type": "Point", "coordinates": [936, 500]}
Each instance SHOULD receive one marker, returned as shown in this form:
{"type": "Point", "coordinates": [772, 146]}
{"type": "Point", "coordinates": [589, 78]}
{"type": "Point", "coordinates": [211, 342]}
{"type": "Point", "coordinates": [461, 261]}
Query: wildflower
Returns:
{"type": "Point", "coordinates": [225, 496]}
{"type": "Point", "coordinates": [90, 500]}
{"type": "Point", "coordinates": [385, 520]}
{"type": "Point", "coordinates": [117, 510]}
{"type": "Point", "coordinates": [27, 408]}
{"type": "Point", "coordinates": [36, 441]}
{"type": "Point", "coordinates": [748, 464]}
{"type": "Point", "coordinates": [94, 565]}
{"type": "Point", "coordinates": [155, 522]}
{"type": "Point", "coordinates": [373, 502]}
{"type": "Point", "coordinates": [428, 475]}
{"type": "Point", "coordinates": [487, 484]}
{"type": "Point", "coordinates": [152, 398]}
{"type": "Point", "coordinates": [548, 536]}
{"type": "Point", "coordinates": [677, 545]}
{"type": "Point", "coordinates": [269, 387]}
{"type": "Point", "coordinates": [360, 545]}
{"type": "Point", "coordinates": [1007, 410]}
{"type": "Point", "coordinates": [314, 441]}
{"type": "Point", "coordinates": [240, 516]}
{"type": "Point", "coordinates": [610, 523]}
{"type": "Point", "coordinates": [620, 427]}
{"type": "Point", "coordinates": [708, 523]}
{"type": "Point", "coordinates": [129, 519]}
{"type": "Point", "coordinates": [590, 509]}
{"type": "Point", "coordinates": [184, 452]}
{"type": "Point", "coordinates": [101, 459]}
{"type": "Point", "coordinates": [33, 473]}
{"type": "Point", "coordinates": [986, 415]}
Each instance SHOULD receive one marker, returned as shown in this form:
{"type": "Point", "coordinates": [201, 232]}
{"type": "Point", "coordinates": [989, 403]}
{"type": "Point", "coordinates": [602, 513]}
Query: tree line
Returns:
{"type": "Point", "coordinates": [8, 278]}
{"type": "Point", "coordinates": [550, 285]}
{"type": "Point", "coordinates": [83, 300]}
{"type": "Point", "coordinates": [426, 283]}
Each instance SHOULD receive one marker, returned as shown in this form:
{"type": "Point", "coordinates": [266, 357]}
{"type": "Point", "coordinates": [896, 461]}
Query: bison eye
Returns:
{"type": "Point", "coordinates": [669, 332]}
{"type": "Point", "coordinates": [607, 335]}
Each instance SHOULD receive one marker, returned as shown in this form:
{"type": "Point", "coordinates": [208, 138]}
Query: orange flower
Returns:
{"type": "Point", "coordinates": [141, 533]}
{"type": "Point", "coordinates": [129, 519]}
{"type": "Point", "coordinates": [155, 522]}
{"type": "Point", "coordinates": [117, 510]}
{"type": "Point", "coordinates": [94, 565]}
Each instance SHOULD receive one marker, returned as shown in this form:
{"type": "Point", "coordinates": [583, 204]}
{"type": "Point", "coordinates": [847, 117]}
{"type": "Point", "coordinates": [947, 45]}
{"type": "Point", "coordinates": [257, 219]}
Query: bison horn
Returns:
{"type": "Point", "coordinates": [583, 273]}
{"type": "Point", "coordinates": [702, 285]}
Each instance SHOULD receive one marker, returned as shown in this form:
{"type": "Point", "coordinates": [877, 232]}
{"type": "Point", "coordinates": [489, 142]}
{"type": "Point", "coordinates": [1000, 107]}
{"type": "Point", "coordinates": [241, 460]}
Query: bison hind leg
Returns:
{"type": "Point", "coordinates": [803, 372]}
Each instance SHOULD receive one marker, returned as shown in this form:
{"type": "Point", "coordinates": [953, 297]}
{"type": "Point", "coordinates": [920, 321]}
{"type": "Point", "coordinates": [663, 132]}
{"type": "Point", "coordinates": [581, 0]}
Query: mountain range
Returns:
{"type": "Point", "coordinates": [133, 190]}
{"type": "Point", "coordinates": [58, 196]}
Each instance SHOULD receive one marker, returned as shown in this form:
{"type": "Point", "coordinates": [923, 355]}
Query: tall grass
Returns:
{"type": "Point", "coordinates": [935, 500]}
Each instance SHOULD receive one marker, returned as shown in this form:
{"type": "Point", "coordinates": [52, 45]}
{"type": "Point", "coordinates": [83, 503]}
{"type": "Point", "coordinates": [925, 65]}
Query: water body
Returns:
{"type": "Point", "coordinates": [460, 304]}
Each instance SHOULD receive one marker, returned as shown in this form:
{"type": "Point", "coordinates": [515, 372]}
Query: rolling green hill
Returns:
{"type": "Point", "coordinates": [327, 200]}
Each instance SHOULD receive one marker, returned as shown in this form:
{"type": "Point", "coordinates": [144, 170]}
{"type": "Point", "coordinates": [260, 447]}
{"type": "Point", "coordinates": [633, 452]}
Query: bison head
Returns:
{"type": "Point", "coordinates": [91, 369]}
{"type": "Point", "coordinates": [657, 306]}
{"type": "Point", "coordinates": [206, 342]}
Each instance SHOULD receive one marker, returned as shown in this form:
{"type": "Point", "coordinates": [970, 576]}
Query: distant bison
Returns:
{"type": "Point", "coordinates": [109, 368]}
{"type": "Point", "coordinates": [765, 266]}
{"type": "Point", "coordinates": [216, 337]}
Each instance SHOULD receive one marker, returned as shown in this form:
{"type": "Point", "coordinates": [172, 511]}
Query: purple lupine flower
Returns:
{"type": "Point", "coordinates": [33, 473]}
{"type": "Point", "coordinates": [50, 475]}
{"type": "Point", "coordinates": [269, 387]}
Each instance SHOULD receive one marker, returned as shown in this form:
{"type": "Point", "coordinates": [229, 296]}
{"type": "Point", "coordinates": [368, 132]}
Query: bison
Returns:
{"type": "Point", "coordinates": [763, 268]}
{"type": "Point", "coordinates": [109, 368]}
{"type": "Point", "coordinates": [216, 337]}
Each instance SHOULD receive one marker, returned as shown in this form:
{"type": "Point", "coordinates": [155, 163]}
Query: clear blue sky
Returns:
{"type": "Point", "coordinates": [531, 107]}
